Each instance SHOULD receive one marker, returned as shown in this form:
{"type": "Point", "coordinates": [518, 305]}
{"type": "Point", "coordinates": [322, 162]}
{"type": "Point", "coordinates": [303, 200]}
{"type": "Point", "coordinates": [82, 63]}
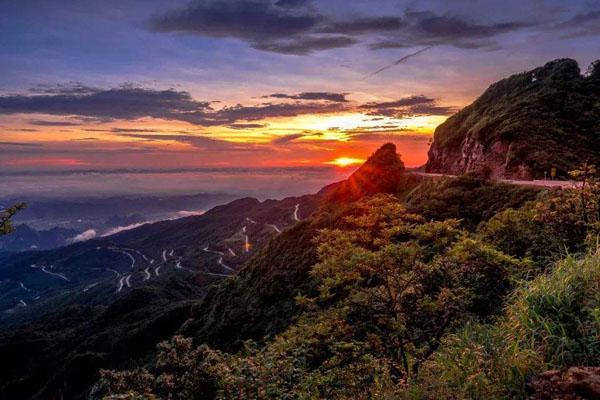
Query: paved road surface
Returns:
{"type": "Point", "coordinates": [274, 227]}
{"type": "Point", "coordinates": [222, 264]}
{"type": "Point", "coordinates": [537, 182]}
{"type": "Point", "coordinates": [296, 212]}
{"type": "Point", "coordinates": [56, 274]}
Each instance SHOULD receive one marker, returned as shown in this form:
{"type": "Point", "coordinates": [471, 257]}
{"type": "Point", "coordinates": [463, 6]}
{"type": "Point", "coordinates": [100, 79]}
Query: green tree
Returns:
{"type": "Point", "coordinates": [520, 233]}
{"type": "Point", "coordinates": [403, 282]}
{"type": "Point", "coordinates": [573, 215]}
{"type": "Point", "coordinates": [390, 286]}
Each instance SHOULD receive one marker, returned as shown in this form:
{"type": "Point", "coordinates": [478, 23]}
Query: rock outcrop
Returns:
{"type": "Point", "coordinates": [381, 173]}
{"type": "Point", "coordinates": [576, 383]}
{"type": "Point", "coordinates": [525, 125]}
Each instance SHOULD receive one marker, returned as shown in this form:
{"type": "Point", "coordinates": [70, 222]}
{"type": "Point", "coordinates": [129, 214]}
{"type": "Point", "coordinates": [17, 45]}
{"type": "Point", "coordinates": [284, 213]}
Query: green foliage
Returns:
{"type": "Point", "coordinates": [6, 216]}
{"type": "Point", "coordinates": [522, 233]}
{"type": "Point", "coordinates": [390, 286]}
{"type": "Point", "coordinates": [468, 198]}
{"type": "Point", "coordinates": [574, 215]}
{"type": "Point", "coordinates": [551, 322]}
{"type": "Point", "coordinates": [532, 121]}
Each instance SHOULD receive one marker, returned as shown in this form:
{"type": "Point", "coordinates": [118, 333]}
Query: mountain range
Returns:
{"type": "Point", "coordinates": [235, 273]}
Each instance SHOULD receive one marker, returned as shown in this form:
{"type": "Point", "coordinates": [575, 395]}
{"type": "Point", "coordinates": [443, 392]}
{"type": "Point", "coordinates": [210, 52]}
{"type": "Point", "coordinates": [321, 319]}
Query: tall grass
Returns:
{"type": "Point", "coordinates": [550, 322]}
{"type": "Point", "coordinates": [557, 315]}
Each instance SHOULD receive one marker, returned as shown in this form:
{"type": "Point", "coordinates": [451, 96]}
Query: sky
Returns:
{"type": "Point", "coordinates": [254, 84]}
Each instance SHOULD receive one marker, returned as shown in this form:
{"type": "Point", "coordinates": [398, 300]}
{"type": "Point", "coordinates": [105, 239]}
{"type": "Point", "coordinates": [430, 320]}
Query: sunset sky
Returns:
{"type": "Point", "coordinates": [160, 84]}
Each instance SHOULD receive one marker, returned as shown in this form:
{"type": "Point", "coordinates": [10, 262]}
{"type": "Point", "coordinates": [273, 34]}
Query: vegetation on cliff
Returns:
{"type": "Point", "coordinates": [525, 125]}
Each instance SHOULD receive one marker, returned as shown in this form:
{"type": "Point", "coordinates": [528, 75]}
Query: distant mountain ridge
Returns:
{"type": "Point", "coordinates": [66, 312]}
{"type": "Point", "coordinates": [525, 125]}
{"type": "Point", "coordinates": [26, 238]}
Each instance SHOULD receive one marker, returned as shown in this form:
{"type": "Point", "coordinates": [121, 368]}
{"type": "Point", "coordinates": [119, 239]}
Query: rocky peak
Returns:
{"type": "Point", "coordinates": [561, 69]}
{"type": "Point", "coordinates": [381, 173]}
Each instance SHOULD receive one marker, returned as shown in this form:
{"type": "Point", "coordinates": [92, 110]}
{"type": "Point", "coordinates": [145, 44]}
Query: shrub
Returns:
{"type": "Point", "coordinates": [551, 322]}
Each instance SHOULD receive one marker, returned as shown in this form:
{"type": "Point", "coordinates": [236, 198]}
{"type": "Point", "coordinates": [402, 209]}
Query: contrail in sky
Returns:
{"type": "Point", "coordinates": [400, 61]}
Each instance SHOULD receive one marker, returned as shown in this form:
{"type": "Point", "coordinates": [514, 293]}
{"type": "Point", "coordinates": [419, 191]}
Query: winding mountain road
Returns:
{"type": "Point", "coordinates": [222, 264]}
{"type": "Point", "coordinates": [206, 249]}
{"type": "Point", "coordinates": [120, 284]}
{"type": "Point", "coordinates": [296, 208]}
{"type": "Point", "coordinates": [55, 274]}
{"type": "Point", "coordinates": [115, 271]}
{"type": "Point", "coordinates": [274, 227]}
{"type": "Point", "coordinates": [88, 287]}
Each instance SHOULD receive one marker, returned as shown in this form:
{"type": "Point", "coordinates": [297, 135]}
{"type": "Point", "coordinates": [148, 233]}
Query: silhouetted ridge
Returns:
{"type": "Point", "coordinates": [381, 173]}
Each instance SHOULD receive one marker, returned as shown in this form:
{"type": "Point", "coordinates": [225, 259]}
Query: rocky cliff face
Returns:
{"type": "Point", "coordinates": [525, 125]}
{"type": "Point", "coordinates": [381, 173]}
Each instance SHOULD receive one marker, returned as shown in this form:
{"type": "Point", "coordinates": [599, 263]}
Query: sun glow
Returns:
{"type": "Point", "coordinates": [345, 161]}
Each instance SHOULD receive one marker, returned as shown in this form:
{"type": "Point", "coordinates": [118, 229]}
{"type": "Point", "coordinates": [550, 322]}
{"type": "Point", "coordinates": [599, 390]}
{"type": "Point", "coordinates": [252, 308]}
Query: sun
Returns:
{"type": "Point", "coordinates": [345, 161]}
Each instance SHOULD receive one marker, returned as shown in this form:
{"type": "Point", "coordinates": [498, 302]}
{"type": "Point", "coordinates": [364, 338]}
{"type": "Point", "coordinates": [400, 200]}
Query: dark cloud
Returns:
{"type": "Point", "coordinates": [76, 88]}
{"type": "Point", "coordinates": [201, 142]}
{"type": "Point", "coordinates": [453, 27]}
{"type": "Point", "coordinates": [328, 96]}
{"type": "Point", "coordinates": [297, 27]}
{"type": "Point", "coordinates": [252, 20]}
{"type": "Point", "coordinates": [286, 139]}
{"type": "Point", "coordinates": [24, 130]}
{"type": "Point", "coordinates": [430, 29]}
{"type": "Point", "coordinates": [403, 102]}
{"type": "Point", "coordinates": [291, 3]}
{"type": "Point", "coordinates": [365, 25]}
{"type": "Point", "coordinates": [306, 44]}
{"type": "Point", "coordinates": [407, 106]}
{"type": "Point", "coordinates": [40, 122]}
{"type": "Point", "coordinates": [121, 103]}
{"type": "Point", "coordinates": [128, 103]}
{"type": "Point", "coordinates": [272, 110]}
{"type": "Point", "coordinates": [583, 24]}
{"type": "Point", "coordinates": [247, 126]}
{"type": "Point", "coordinates": [281, 140]}
{"type": "Point", "coordinates": [400, 136]}
{"type": "Point", "coordinates": [21, 144]}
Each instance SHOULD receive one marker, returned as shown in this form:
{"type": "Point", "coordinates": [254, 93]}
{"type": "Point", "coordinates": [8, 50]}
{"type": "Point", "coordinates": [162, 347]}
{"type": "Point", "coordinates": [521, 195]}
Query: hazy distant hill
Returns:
{"type": "Point", "coordinates": [27, 238]}
{"type": "Point", "coordinates": [524, 125]}
{"type": "Point", "coordinates": [66, 312]}
{"type": "Point", "coordinates": [104, 213]}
